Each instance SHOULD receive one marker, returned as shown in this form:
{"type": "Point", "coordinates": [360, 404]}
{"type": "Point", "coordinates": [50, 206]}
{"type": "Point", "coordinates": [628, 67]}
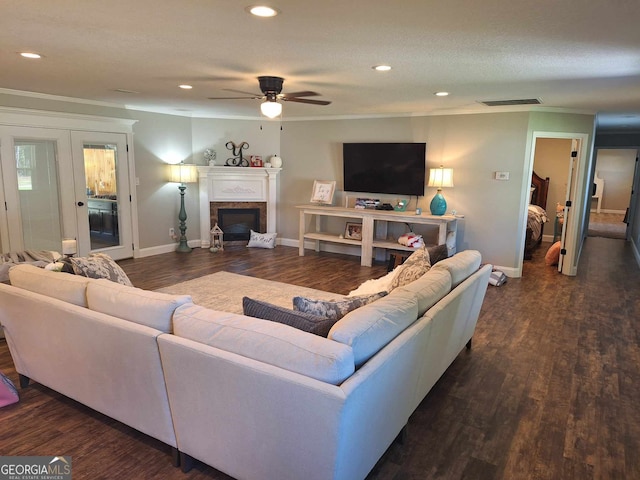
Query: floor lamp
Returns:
{"type": "Point", "coordinates": [183, 174]}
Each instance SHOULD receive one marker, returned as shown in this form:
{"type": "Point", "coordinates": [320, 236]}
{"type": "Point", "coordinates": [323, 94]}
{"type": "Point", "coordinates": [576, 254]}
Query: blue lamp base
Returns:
{"type": "Point", "coordinates": [438, 205]}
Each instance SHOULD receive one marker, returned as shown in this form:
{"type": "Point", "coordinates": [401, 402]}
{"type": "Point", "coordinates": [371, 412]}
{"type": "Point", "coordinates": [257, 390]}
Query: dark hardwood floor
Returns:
{"type": "Point", "coordinates": [549, 390]}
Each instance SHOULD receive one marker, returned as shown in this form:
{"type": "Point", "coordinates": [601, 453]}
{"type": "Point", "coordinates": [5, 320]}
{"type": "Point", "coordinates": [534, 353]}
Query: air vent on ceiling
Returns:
{"type": "Point", "coordinates": [124, 90]}
{"type": "Point", "coordinates": [506, 103]}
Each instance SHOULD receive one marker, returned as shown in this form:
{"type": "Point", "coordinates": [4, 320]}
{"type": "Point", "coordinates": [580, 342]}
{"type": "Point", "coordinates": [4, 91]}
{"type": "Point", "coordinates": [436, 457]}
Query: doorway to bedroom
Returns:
{"type": "Point", "coordinates": [565, 154]}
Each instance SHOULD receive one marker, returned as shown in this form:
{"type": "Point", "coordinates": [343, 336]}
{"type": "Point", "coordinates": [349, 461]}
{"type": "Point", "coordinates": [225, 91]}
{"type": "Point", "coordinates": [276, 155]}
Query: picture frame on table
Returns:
{"type": "Point", "coordinates": [353, 231]}
{"type": "Point", "coordinates": [323, 192]}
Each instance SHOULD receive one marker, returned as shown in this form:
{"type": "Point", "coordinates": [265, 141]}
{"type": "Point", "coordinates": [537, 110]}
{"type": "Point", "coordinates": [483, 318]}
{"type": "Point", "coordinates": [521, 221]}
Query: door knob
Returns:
{"type": "Point", "coordinates": [81, 204]}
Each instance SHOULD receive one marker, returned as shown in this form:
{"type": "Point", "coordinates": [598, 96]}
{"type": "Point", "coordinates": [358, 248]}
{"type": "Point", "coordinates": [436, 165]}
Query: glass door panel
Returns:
{"type": "Point", "coordinates": [37, 187]}
{"type": "Point", "coordinates": [37, 177]}
{"type": "Point", "coordinates": [102, 195]}
{"type": "Point", "coordinates": [102, 185]}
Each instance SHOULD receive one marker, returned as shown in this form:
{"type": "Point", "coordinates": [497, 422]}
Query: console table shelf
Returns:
{"type": "Point", "coordinates": [447, 226]}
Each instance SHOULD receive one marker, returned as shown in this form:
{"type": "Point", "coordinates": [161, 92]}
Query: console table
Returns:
{"type": "Point", "coordinates": [374, 228]}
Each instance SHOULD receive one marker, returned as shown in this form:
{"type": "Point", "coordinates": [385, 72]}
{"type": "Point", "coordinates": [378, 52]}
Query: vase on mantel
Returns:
{"type": "Point", "coordinates": [276, 161]}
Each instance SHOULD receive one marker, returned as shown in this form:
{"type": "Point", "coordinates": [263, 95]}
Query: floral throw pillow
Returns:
{"type": "Point", "coordinates": [413, 268]}
{"type": "Point", "coordinates": [333, 309]}
{"type": "Point", "coordinates": [100, 265]}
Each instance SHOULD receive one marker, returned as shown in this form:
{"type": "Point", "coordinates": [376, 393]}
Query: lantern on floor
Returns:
{"type": "Point", "coordinates": [216, 239]}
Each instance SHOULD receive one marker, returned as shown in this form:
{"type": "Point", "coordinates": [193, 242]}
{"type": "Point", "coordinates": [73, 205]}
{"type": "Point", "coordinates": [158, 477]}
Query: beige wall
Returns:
{"type": "Point", "coordinates": [474, 145]}
{"type": "Point", "coordinates": [616, 167]}
{"type": "Point", "coordinates": [551, 160]}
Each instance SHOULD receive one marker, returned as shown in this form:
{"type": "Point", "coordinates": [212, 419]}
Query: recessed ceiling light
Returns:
{"type": "Point", "coordinates": [186, 87]}
{"type": "Point", "coordinates": [381, 68]}
{"type": "Point", "coordinates": [441, 94]}
{"type": "Point", "coordinates": [30, 55]}
{"type": "Point", "coordinates": [262, 11]}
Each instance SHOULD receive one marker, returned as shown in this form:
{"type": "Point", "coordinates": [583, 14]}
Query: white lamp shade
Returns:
{"type": "Point", "coordinates": [182, 173]}
{"type": "Point", "coordinates": [271, 109]}
{"type": "Point", "coordinates": [440, 177]}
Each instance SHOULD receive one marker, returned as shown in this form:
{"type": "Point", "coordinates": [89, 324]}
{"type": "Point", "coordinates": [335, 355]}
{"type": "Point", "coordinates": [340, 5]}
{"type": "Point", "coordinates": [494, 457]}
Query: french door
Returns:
{"type": "Point", "coordinates": [45, 183]}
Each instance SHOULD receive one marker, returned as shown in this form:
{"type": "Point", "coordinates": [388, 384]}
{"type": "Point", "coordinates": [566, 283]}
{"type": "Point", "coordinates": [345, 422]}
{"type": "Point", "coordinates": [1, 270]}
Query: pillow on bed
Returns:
{"type": "Point", "coordinates": [553, 254]}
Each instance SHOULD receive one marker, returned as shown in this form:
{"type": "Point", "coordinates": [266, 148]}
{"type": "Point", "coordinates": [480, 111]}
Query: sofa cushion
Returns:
{"type": "Point", "coordinates": [99, 265]}
{"type": "Point", "coordinates": [272, 343]}
{"type": "Point", "coordinates": [461, 265]}
{"type": "Point", "coordinates": [334, 309]}
{"type": "Point", "coordinates": [428, 289]}
{"type": "Point", "coordinates": [152, 309]}
{"type": "Point", "coordinates": [300, 320]}
{"type": "Point", "coordinates": [65, 287]}
{"type": "Point", "coordinates": [369, 328]}
{"type": "Point", "coordinates": [412, 268]}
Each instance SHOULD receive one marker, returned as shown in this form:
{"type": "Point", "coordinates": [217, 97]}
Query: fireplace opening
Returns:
{"type": "Point", "coordinates": [237, 223]}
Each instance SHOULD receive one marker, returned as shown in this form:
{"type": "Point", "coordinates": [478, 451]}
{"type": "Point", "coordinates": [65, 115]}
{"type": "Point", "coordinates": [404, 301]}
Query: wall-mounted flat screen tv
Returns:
{"type": "Point", "coordinates": [391, 168]}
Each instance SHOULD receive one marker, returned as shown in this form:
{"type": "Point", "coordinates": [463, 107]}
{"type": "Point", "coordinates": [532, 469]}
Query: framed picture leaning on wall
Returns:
{"type": "Point", "coordinates": [323, 192]}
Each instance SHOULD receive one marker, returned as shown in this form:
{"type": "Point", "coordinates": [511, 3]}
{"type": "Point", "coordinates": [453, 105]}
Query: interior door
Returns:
{"type": "Point", "coordinates": [103, 200]}
{"type": "Point", "coordinates": [37, 180]}
{"type": "Point", "coordinates": [568, 210]}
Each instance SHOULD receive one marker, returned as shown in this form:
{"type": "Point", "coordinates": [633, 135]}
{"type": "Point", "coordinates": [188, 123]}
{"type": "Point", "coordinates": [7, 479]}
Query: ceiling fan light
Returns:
{"type": "Point", "coordinates": [271, 109]}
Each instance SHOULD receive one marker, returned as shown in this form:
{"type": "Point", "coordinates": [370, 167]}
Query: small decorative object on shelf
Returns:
{"type": "Point", "coordinates": [217, 244]}
{"type": "Point", "coordinates": [210, 157]}
{"type": "Point", "coordinates": [323, 192]}
{"type": "Point", "coordinates": [237, 160]}
{"type": "Point", "coordinates": [276, 161]}
{"type": "Point", "coordinates": [256, 160]}
{"type": "Point", "coordinates": [353, 231]}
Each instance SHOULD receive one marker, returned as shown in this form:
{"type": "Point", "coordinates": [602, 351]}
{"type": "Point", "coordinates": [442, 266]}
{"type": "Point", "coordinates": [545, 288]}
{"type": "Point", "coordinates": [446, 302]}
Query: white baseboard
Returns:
{"type": "Point", "coordinates": [508, 271]}
{"type": "Point", "coordinates": [160, 249]}
{"type": "Point", "coordinates": [603, 210]}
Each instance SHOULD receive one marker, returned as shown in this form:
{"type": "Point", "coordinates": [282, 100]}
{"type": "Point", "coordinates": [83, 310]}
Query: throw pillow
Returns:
{"type": "Point", "coordinates": [553, 254]}
{"type": "Point", "coordinates": [437, 253]}
{"type": "Point", "coordinates": [413, 268]}
{"type": "Point", "coordinates": [300, 320]}
{"type": "Point", "coordinates": [100, 265]}
{"type": "Point", "coordinates": [333, 309]}
{"type": "Point", "coordinates": [262, 240]}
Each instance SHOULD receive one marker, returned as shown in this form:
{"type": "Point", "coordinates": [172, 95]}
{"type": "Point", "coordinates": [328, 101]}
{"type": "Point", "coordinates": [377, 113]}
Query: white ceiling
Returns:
{"type": "Point", "coordinates": [573, 56]}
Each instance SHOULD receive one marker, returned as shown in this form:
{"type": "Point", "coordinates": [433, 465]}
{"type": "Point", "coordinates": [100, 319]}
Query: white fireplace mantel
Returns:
{"type": "Point", "coordinates": [236, 184]}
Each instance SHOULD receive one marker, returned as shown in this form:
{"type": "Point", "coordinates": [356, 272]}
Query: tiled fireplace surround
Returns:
{"type": "Point", "coordinates": [237, 187]}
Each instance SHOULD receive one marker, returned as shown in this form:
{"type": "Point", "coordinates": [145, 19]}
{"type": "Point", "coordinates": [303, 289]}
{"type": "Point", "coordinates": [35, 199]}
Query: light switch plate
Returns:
{"type": "Point", "coordinates": [502, 176]}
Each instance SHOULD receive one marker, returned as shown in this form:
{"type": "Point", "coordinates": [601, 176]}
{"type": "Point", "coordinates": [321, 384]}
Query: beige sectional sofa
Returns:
{"type": "Point", "coordinates": [252, 398]}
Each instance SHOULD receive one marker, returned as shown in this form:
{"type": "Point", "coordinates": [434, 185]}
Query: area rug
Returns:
{"type": "Point", "coordinates": [608, 225]}
{"type": "Point", "coordinates": [224, 291]}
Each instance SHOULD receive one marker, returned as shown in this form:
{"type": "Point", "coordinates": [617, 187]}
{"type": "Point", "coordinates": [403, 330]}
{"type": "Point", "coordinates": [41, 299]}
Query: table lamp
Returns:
{"type": "Point", "coordinates": [440, 178]}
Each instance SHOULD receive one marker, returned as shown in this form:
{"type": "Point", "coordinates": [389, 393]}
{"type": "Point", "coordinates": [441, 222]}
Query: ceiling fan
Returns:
{"type": "Point", "coordinates": [271, 88]}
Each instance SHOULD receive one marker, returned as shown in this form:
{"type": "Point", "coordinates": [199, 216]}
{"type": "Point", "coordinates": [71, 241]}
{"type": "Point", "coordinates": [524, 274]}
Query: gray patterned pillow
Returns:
{"type": "Point", "coordinates": [100, 265]}
{"type": "Point", "coordinates": [300, 320]}
{"type": "Point", "coordinates": [333, 309]}
{"type": "Point", "coordinates": [412, 269]}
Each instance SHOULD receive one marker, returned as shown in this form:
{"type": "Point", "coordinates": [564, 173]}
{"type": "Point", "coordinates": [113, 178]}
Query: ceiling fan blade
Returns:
{"type": "Point", "coordinates": [257, 95]}
{"type": "Point", "coordinates": [233, 98]}
{"type": "Point", "coordinates": [305, 100]}
{"type": "Point", "coordinates": [301, 94]}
